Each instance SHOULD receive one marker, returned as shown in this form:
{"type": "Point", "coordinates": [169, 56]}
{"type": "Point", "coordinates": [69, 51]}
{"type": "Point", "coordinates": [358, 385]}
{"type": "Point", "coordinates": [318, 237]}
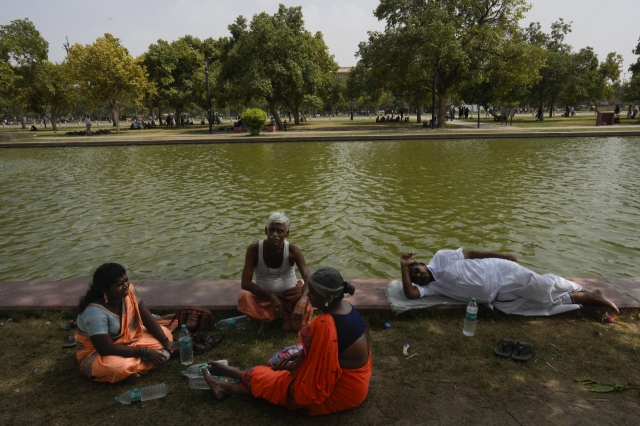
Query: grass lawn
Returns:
{"type": "Point", "coordinates": [450, 380]}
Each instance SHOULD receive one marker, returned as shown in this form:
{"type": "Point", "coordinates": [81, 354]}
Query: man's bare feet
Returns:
{"type": "Point", "coordinates": [601, 299]}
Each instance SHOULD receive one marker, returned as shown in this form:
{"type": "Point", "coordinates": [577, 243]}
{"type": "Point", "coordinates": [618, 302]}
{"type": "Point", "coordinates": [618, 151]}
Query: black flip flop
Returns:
{"type": "Point", "coordinates": [505, 347]}
{"type": "Point", "coordinates": [205, 342]}
{"type": "Point", "coordinates": [523, 351]}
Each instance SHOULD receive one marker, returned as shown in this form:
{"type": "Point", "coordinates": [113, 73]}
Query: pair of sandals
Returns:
{"type": "Point", "coordinates": [204, 342]}
{"type": "Point", "coordinates": [510, 347]}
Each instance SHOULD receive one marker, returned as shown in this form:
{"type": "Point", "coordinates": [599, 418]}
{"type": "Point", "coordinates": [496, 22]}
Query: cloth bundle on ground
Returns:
{"type": "Point", "coordinates": [400, 303]}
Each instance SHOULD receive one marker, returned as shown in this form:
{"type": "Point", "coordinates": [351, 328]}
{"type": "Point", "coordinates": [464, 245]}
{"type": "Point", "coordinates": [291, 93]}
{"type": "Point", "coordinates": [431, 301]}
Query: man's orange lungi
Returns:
{"type": "Point", "coordinates": [319, 385]}
{"type": "Point", "coordinates": [260, 308]}
{"type": "Point", "coordinates": [114, 368]}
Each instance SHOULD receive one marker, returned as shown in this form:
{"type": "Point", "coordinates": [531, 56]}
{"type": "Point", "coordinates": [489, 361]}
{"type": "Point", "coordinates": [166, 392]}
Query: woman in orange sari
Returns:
{"type": "Point", "coordinates": [331, 373]}
{"type": "Point", "coordinates": [111, 342]}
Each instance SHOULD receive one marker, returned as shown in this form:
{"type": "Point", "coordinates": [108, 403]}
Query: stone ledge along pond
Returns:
{"type": "Point", "coordinates": [570, 206]}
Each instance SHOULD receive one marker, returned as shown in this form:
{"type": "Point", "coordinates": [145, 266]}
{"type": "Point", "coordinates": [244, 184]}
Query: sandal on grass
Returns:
{"type": "Point", "coordinates": [523, 351]}
{"type": "Point", "coordinates": [69, 342]}
{"type": "Point", "coordinates": [505, 347]}
{"type": "Point", "coordinates": [68, 326]}
{"type": "Point", "coordinates": [205, 342]}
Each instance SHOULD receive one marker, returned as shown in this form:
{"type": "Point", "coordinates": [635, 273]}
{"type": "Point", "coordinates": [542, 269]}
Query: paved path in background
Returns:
{"type": "Point", "coordinates": [223, 294]}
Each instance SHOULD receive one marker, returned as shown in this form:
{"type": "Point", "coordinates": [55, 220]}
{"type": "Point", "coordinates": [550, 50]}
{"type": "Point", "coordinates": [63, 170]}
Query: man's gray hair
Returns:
{"type": "Point", "coordinates": [278, 217]}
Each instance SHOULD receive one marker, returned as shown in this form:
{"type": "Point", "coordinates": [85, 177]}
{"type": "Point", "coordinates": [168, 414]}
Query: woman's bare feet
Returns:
{"type": "Point", "coordinates": [219, 369]}
{"type": "Point", "coordinates": [220, 389]}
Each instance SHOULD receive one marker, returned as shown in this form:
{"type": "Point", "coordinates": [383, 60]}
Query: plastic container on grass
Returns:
{"type": "Point", "coordinates": [142, 394]}
{"type": "Point", "coordinates": [186, 345]}
{"type": "Point", "coordinates": [470, 318]}
{"type": "Point", "coordinates": [232, 322]}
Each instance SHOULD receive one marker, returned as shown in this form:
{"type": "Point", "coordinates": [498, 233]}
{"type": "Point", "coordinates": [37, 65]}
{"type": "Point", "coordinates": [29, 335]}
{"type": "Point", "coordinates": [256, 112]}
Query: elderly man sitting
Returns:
{"type": "Point", "coordinates": [276, 291]}
{"type": "Point", "coordinates": [495, 279]}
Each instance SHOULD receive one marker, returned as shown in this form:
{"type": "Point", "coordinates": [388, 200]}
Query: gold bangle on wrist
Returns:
{"type": "Point", "coordinates": [404, 268]}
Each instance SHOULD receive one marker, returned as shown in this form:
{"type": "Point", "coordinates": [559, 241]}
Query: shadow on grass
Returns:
{"type": "Point", "coordinates": [451, 378]}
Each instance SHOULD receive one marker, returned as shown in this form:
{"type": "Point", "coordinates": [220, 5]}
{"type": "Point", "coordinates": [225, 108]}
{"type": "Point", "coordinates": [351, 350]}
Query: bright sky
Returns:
{"type": "Point", "coordinates": [606, 25]}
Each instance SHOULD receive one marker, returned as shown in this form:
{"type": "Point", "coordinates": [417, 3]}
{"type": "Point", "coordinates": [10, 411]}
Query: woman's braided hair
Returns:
{"type": "Point", "coordinates": [328, 282]}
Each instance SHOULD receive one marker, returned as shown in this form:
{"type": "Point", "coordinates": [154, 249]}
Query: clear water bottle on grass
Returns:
{"type": "Point", "coordinates": [143, 394]}
{"type": "Point", "coordinates": [195, 370]}
{"type": "Point", "coordinates": [186, 346]}
{"type": "Point", "coordinates": [470, 318]}
{"type": "Point", "coordinates": [199, 383]}
{"type": "Point", "coordinates": [232, 322]}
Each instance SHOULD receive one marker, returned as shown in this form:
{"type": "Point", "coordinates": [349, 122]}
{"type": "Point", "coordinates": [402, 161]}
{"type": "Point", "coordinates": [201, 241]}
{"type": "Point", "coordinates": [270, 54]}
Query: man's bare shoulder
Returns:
{"type": "Point", "coordinates": [294, 249]}
{"type": "Point", "coordinates": [253, 248]}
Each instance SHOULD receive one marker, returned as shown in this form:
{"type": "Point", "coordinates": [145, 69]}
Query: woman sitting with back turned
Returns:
{"type": "Point", "coordinates": [331, 373]}
{"type": "Point", "coordinates": [111, 343]}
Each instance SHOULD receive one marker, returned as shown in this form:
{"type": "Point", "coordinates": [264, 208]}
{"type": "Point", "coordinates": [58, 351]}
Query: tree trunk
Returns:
{"type": "Point", "coordinates": [274, 113]}
{"type": "Point", "coordinates": [54, 119]}
{"type": "Point", "coordinates": [296, 113]}
{"type": "Point", "coordinates": [442, 109]}
{"type": "Point", "coordinates": [115, 117]}
{"type": "Point", "coordinates": [419, 109]}
{"type": "Point", "coordinates": [24, 125]}
{"type": "Point", "coordinates": [551, 108]}
{"type": "Point", "coordinates": [160, 115]}
{"type": "Point", "coordinates": [541, 108]}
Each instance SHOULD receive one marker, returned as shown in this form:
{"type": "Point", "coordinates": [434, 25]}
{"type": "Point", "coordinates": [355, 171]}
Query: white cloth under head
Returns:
{"type": "Point", "coordinates": [508, 286]}
{"type": "Point", "coordinates": [276, 280]}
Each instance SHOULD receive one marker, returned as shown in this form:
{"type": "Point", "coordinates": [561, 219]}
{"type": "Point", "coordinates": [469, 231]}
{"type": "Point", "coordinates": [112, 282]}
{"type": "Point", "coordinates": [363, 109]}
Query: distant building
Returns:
{"type": "Point", "coordinates": [342, 71]}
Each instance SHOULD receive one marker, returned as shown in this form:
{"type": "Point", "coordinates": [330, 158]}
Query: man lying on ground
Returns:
{"type": "Point", "coordinates": [276, 291]}
{"type": "Point", "coordinates": [495, 279]}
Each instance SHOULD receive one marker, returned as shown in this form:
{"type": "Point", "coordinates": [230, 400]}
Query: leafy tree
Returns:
{"type": "Point", "coordinates": [393, 64]}
{"type": "Point", "coordinates": [452, 37]}
{"type": "Point", "coordinates": [592, 80]}
{"type": "Point", "coordinates": [51, 89]}
{"type": "Point", "coordinates": [274, 58]}
{"type": "Point", "coordinates": [106, 72]}
{"type": "Point", "coordinates": [22, 50]}
{"type": "Point", "coordinates": [177, 70]}
{"type": "Point", "coordinates": [633, 86]}
{"type": "Point", "coordinates": [558, 67]}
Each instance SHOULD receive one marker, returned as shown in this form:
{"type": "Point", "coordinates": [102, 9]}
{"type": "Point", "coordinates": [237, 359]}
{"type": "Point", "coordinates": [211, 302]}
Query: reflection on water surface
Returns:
{"type": "Point", "coordinates": [568, 206]}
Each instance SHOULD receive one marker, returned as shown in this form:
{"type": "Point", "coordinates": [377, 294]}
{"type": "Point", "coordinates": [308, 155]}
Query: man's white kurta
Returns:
{"type": "Point", "coordinates": [506, 285]}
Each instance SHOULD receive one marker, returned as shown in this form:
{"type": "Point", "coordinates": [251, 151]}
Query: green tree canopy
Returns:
{"type": "Point", "coordinates": [107, 73]}
{"type": "Point", "coordinates": [22, 51]}
{"type": "Point", "coordinates": [453, 37]}
{"type": "Point", "coordinates": [275, 59]}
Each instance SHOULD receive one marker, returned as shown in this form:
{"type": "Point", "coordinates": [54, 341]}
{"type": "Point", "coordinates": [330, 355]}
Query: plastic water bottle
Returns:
{"type": "Point", "coordinates": [232, 322]}
{"type": "Point", "coordinates": [199, 383]}
{"type": "Point", "coordinates": [470, 318]}
{"type": "Point", "coordinates": [195, 370]}
{"type": "Point", "coordinates": [143, 394]}
{"type": "Point", "coordinates": [186, 346]}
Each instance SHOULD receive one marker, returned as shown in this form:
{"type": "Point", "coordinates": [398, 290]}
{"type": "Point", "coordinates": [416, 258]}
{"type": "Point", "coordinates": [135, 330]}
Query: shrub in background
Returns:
{"type": "Point", "coordinates": [254, 119]}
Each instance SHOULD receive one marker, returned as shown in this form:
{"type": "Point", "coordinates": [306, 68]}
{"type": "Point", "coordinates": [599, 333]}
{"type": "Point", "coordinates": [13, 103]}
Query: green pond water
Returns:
{"type": "Point", "coordinates": [568, 206]}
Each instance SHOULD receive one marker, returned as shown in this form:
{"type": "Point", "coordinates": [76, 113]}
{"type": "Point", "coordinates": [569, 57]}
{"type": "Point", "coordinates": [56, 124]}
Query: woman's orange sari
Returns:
{"type": "Point", "coordinates": [132, 333]}
{"type": "Point", "coordinates": [318, 385]}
